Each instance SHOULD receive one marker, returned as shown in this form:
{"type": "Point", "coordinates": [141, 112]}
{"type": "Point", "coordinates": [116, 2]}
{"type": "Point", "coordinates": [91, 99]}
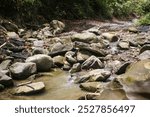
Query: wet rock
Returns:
{"type": "Point", "coordinates": [5, 80]}
{"type": "Point", "coordinates": [29, 89]}
{"type": "Point", "coordinates": [91, 86]}
{"type": "Point", "coordinates": [94, 75]}
{"type": "Point", "coordinates": [85, 37]}
{"type": "Point", "coordinates": [58, 60]}
{"type": "Point", "coordinates": [110, 36]}
{"type": "Point", "coordinates": [12, 35]}
{"type": "Point", "coordinates": [22, 70]}
{"type": "Point", "coordinates": [10, 26]}
{"type": "Point", "coordinates": [75, 68]}
{"type": "Point", "coordinates": [123, 68]}
{"type": "Point", "coordinates": [92, 62]}
{"type": "Point", "coordinates": [66, 67]}
{"type": "Point", "coordinates": [5, 64]}
{"type": "Point", "coordinates": [144, 48]}
{"type": "Point", "coordinates": [144, 55]}
{"type": "Point", "coordinates": [124, 45]}
{"type": "Point", "coordinates": [43, 62]}
{"type": "Point", "coordinates": [92, 49]}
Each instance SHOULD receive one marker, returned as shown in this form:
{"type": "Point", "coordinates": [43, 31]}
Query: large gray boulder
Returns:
{"type": "Point", "coordinates": [43, 62]}
{"type": "Point", "coordinates": [22, 70]}
{"type": "Point", "coordinates": [5, 80]}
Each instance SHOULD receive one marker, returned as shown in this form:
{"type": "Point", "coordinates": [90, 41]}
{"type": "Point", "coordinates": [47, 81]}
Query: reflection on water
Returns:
{"type": "Point", "coordinates": [58, 87]}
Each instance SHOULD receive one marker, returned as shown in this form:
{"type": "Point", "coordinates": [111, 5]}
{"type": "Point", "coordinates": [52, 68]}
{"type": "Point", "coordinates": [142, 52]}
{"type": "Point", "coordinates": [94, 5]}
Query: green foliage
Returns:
{"type": "Point", "coordinates": [145, 20]}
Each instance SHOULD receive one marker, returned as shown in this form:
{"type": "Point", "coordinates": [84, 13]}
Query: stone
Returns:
{"type": "Point", "coordinates": [75, 68]}
{"type": "Point", "coordinates": [92, 76]}
{"type": "Point", "coordinates": [38, 43]}
{"type": "Point", "coordinates": [92, 62]}
{"type": "Point", "coordinates": [85, 37]}
{"type": "Point", "coordinates": [69, 56]}
{"type": "Point", "coordinates": [12, 35]}
{"type": "Point", "coordinates": [133, 29]}
{"type": "Point", "coordinates": [5, 80]}
{"type": "Point", "coordinates": [94, 30]}
{"type": "Point", "coordinates": [122, 68]}
{"type": "Point", "coordinates": [144, 48]}
{"type": "Point", "coordinates": [91, 86]}
{"type": "Point", "coordinates": [144, 55]}
{"type": "Point", "coordinates": [83, 55]}
{"type": "Point", "coordinates": [10, 26]}
{"type": "Point", "coordinates": [58, 60]}
{"type": "Point", "coordinates": [5, 64]}
{"type": "Point", "coordinates": [94, 50]}
{"type": "Point", "coordinates": [29, 89]}
{"type": "Point", "coordinates": [43, 62]}
{"type": "Point", "coordinates": [21, 71]}
{"type": "Point", "coordinates": [124, 45]}
{"type": "Point", "coordinates": [110, 36]}
{"type": "Point", "coordinates": [2, 87]}
{"type": "Point", "coordinates": [40, 51]}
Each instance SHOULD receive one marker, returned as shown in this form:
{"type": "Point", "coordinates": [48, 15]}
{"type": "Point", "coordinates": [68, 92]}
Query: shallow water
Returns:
{"type": "Point", "coordinates": [58, 87]}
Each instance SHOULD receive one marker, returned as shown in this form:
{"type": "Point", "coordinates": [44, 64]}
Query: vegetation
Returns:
{"type": "Point", "coordinates": [73, 9]}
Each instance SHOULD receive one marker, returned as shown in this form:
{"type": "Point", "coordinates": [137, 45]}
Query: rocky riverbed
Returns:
{"type": "Point", "coordinates": [88, 60]}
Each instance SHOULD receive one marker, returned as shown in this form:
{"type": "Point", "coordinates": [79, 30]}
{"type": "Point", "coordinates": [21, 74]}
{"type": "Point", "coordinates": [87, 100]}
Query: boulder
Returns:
{"type": "Point", "coordinates": [86, 37]}
{"type": "Point", "coordinates": [144, 55]}
{"type": "Point", "coordinates": [43, 62]}
{"type": "Point", "coordinates": [92, 62]}
{"type": "Point", "coordinates": [29, 89]}
{"type": "Point", "coordinates": [22, 70]}
{"type": "Point", "coordinates": [5, 80]}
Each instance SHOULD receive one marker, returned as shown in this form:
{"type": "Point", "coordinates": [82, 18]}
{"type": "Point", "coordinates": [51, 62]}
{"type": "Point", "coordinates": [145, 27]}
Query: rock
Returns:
{"type": "Point", "coordinates": [40, 51]}
{"type": "Point", "coordinates": [57, 26]}
{"type": "Point", "coordinates": [1, 87]}
{"type": "Point", "coordinates": [85, 37]}
{"type": "Point", "coordinates": [60, 49]}
{"type": "Point", "coordinates": [22, 70]}
{"type": "Point", "coordinates": [92, 62]}
{"type": "Point", "coordinates": [43, 62]}
{"type": "Point", "coordinates": [69, 56]}
{"type": "Point", "coordinates": [5, 80]}
{"type": "Point", "coordinates": [92, 76]}
{"type": "Point", "coordinates": [10, 26]}
{"type": "Point", "coordinates": [83, 55]}
{"type": "Point", "coordinates": [113, 65]}
{"type": "Point", "coordinates": [92, 49]}
{"type": "Point", "coordinates": [12, 35]}
{"type": "Point", "coordinates": [91, 86]}
{"type": "Point", "coordinates": [27, 89]}
{"type": "Point", "coordinates": [110, 36]}
{"type": "Point", "coordinates": [133, 29]}
{"type": "Point", "coordinates": [124, 45]}
{"type": "Point", "coordinates": [38, 43]}
{"type": "Point", "coordinates": [138, 71]}
{"type": "Point", "coordinates": [136, 80]}
{"type": "Point", "coordinates": [5, 64]}
{"type": "Point", "coordinates": [66, 67]}
{"type": "Point", "coordinates": [144, 55]}
{"type": "Point", "coordinates": [123, 68]}
{"type": "Point", "coordinates": [58, 60]}
{"type": "Point", "coordinates": [75, 68]}
{"type": "Point", "coordinates": [94, 30]}
{"type": "Point", "coordinates": [144, 48]}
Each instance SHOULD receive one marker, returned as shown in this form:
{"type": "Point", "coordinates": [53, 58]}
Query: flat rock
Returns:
{"type": "Point", "coordinates": [13, 35]}
{"type": "Point", "coordinates": [86, 37]}
{"type": "Point", "coordinates": [22, 70]}
{"type": "Point", "coordinates": [110, 36]}
{"type": "Point", "coordinates": [124, 45]}
{"type": "Point", "coordinates": [43, 62]}
{"type": "Point", "coordinates": [58, 60]}
{"type": "Point", "coordinates": [75, 68]}
{"type": "Point", "coordinates": [144, 55]}
{"type": "Point", "coordinates": [29, 89]}
{"type": "Point", "coordinates": [5, 64]}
